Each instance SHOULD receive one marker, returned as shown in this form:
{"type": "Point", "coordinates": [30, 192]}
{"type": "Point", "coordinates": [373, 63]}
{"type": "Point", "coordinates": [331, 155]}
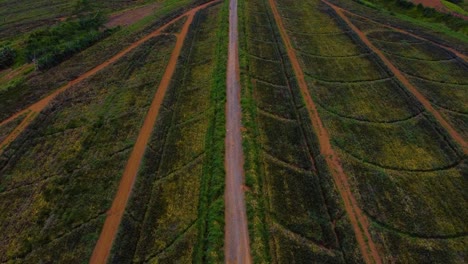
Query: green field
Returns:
{"type": "Point", "coordinates": [353, 121]}
{"type": "Point", "coordinates": [180, 186]}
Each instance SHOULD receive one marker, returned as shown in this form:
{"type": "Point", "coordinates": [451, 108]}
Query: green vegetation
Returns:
{"type": "Point", "coordinates": [294, 211]}
{"type": "Point", "coordinates": [59, 177]}
{"type": "Point", "coordinates": [48, 47]}
{"type": "Point", "coordinates": [176, 212]}
{"type": "Point", "coordinates": [437, 73]}
{"type": "Point", "coordinates": [36, 86]}
{"type": "Point", "coordinates": [7, 128]}
{"type": "Point", "coordinates": [399, 159]}
{"type": "Point", "coordinates": [7, 57]}
{"type": "Point", "coordinates": [455, 8]}
{"type": "Point", "coordinates": [404, 8]}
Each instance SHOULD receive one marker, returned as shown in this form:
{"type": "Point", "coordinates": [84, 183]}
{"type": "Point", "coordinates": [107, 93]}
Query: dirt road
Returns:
{"type": "Point", "coordinates": [237, 245]}
{"type": "Point", "coordinates": [114, 215]}
{"type": "Point", "coordinates": [402, 78]}
{"type": "Point", "coordinates": [41, 104]}
{"type": "Point", "coordinates": [358, 220]}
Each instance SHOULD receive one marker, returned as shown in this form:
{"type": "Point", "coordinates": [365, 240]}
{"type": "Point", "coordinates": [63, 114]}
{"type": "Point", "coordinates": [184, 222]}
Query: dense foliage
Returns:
{"type": "Point", "coordinates": [7, 57]}
{"type": "Point", "coordinates": [51, 46]}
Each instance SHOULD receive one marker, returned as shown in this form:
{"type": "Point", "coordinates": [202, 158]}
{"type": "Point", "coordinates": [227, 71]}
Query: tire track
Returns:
{"type": "Point", "coordinates": [401, 77]}
{"type": "Point", "coordinates": [358, 220]}
{"type": "Point", "coordinates": [114, 215]}
{"type": "Point", "coordinates": [237, 243]}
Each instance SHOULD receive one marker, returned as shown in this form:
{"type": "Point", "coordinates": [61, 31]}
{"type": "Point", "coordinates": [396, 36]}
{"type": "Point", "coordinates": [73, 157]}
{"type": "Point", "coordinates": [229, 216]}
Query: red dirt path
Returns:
{"type": "Point", "coordinates": [358, 220]}
{"type": "Point", "coordinates": [41, 104]}
{"type": "Point", "coordinates": [114, 215]}
{"type": "Point", "coordinates": [402, 78]}
{"type": "Point", "coordinates": [237, 245]}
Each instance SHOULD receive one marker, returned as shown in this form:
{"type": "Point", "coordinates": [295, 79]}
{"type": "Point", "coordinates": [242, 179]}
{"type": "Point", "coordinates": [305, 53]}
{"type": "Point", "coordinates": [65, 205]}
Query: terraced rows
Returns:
{"type": "Point", "coordinates": [167, 219]}
{"type": "Point", "coordinates": [439, 74]}
{"type": "Point", "coordinates": [294, 211]}
{"type": "Point", "coordinates": [59, 176]}
{"type": "Point", "coordinates": [398, 157]}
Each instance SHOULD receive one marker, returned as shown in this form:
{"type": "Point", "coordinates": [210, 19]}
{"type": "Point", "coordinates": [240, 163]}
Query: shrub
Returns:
{"type": "Point", "coordinates": [7, 57]}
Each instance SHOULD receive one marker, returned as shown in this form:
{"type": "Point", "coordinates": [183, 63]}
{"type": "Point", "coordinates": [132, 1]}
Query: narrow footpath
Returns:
{"type": "Point", "coordinates": [237, 245]}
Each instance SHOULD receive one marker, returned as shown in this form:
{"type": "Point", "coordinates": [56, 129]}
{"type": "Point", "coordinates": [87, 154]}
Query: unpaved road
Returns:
{"type": "Point", "coordinates": [236, 246]}
{"type": "Point", "coordinates": [358, 220]}
{"type": "Point", "coordinates": [41, 104]}
{"type": "Point", "coordinates": [114, 215]}
{"type": "Point", "coordinates": [402, 78]}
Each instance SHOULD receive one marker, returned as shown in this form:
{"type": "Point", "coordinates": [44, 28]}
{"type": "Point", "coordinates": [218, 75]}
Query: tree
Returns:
{"type": "Point", "coordinates": [7, 57]}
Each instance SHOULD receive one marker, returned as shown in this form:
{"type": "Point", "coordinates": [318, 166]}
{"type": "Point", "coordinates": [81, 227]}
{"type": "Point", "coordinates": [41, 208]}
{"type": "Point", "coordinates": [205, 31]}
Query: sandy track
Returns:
{"type": "Point", "coordinates": [237, 245]}
{"type": "Point", "coordinates": [114, 215]}
{"type": "Point", "coordinates": [402, 78]}
{"type": "Point", "coordinates": [358, 220]}
{"type": "Point", "coordinates": [41, 104]}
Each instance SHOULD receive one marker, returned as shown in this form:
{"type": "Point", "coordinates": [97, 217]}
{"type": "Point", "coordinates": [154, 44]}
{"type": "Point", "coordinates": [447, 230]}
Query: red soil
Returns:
{"type": "Point", "coordinates": [439, 6]}
{"type": "Point", "coordinates": [131, 16]}
{"type": "Point", "coordinates": [402, 78]}
{"type": "Point", "coordinates": [436, 4]}
{"type": "Point", "coordinates": [114, 215]}
{"type": "Point", "coordinates": [358, 219]}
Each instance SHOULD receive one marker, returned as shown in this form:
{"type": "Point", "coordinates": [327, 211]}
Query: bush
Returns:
{"type": "Point", "coordinates": [51, 46]}
{"type": "Point", "coordinates": [7, 57]}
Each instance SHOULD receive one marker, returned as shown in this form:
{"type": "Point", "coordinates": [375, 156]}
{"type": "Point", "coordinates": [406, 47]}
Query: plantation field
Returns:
{"type": "Point", "coordinates": [175, 213]}
{"type": "Point", "coordinates": [232, 131]}
{"type": "Point", "coordinates": [293, 205]}
{"type": "Point", "coordinates": [395, 153]}
{"type": "Point", "coordinates": [23, 16]}
{"type": "Point", "coordinates": [22, 91]}
{"type": "Point", "coordinates": [77, 147]}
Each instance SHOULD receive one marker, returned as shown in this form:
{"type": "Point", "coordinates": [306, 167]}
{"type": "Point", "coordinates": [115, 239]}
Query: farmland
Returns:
{"type": "Point", "coordinates": [235, 131]}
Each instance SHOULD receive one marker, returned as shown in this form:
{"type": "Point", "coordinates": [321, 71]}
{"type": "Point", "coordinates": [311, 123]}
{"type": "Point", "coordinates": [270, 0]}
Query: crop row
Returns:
{"type": "Point", "coordinates": [166, 219]}
{"type": "Point", "coordinates": [292, 204]}
{"type": "Point", "coordinates": [36, 85]}
{"type": "Point", "coordinates": [384, 138]}
{"type": "Point", "coordinates": [62, 172]}
{"type": "Point", "coordinates": [436, 72]}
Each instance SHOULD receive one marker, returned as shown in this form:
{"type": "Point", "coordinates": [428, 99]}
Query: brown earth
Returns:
{"type": "Point", "coordinates": [114, 215]}
{"type": "Point", "coordinates": [358, 219]}
{"type": "Point", "coordinates": [131, 16]}
{"type": "Point", "coordinates": [402, 78]}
